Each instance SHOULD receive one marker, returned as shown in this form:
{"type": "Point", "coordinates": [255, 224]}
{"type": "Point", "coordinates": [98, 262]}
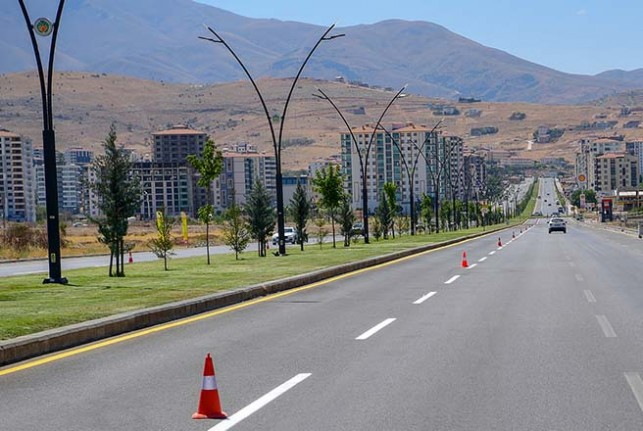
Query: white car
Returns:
{"type": "Point", "coordinates": [290, 236]}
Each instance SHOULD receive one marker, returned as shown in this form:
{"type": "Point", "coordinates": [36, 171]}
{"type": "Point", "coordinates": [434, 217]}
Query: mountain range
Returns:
{"type": "Point", "coordinates": [159, 40]}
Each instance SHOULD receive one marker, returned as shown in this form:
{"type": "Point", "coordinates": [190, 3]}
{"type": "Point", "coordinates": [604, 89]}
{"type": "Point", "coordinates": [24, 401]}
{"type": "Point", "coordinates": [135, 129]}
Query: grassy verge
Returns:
{"type": "Point", "coordinates": [27, 306]}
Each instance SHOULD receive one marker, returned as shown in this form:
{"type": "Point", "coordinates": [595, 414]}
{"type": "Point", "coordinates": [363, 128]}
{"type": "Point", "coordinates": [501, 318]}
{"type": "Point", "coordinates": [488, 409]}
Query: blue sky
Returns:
{"type": "Point", "coordinates": [574, 36]}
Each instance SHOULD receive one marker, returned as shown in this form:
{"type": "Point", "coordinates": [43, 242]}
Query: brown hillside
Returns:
{"type": "Point", "coordinates": [86, 104]}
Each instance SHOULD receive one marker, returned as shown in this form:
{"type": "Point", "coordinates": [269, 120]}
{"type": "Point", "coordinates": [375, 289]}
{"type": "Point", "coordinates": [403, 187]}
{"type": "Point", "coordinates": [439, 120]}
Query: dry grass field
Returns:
{"type": "Point", "coordinates": [86, 104]}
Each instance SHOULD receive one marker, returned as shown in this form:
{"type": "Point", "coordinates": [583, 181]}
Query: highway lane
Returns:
{"type": "Point", "coordinates": [514, 342]}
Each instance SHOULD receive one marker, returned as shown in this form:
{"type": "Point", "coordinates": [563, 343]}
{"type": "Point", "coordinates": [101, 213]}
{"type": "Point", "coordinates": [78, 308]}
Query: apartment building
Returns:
{"type": "Point", "coordinates": [413, 157]}
{"type": "Point", "coordinates": [165, 186]}
{"type": "Point", "coordinates": [17, 200]}
{"type": "Point", "coordinates": [243, 165]}
{"type": "Point", "coordinates": [616, 171]}
{"type": "Point", "coordinates": [170, 150]}
{"type": "Point", "coordinates": [590, 149]}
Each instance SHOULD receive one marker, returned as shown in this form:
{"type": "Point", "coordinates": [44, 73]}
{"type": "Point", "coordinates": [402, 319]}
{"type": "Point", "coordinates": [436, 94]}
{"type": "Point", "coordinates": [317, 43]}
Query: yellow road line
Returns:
{"type": "Point", "coordinates": [207, 315]}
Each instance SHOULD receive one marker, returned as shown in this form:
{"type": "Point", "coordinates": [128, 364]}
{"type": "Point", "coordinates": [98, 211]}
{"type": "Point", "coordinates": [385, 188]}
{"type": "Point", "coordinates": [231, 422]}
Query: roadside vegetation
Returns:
{"type": "Point", "coordinates": [27, 306]}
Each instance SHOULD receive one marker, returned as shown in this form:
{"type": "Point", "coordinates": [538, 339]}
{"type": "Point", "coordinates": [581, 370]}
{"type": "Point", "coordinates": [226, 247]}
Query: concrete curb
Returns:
{"type": "Point", "coordinates": [29, 346]}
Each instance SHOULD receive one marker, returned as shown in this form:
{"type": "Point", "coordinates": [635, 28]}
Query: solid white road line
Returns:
{"type": "Point", "coordinates": [590, 296]}
{"type": "Point", "coordinates": [482, 259]}
{"type": "Point", "coordinates": [579, 278]}
{"type": "Point", "coordinates": [261, 402]}
{"type": "Point", "coordinates": [473, 265]}
{"type": "Point", "coordinates": [605, 326]}
{"type": "Point", "coordinates": [425, 297]}
{"type": "Point", "coordinates": [636, 384]}
{"type": "Point", "coordinates": [452, 279]}
{"type": "Point", "coordinates": [375, 329]}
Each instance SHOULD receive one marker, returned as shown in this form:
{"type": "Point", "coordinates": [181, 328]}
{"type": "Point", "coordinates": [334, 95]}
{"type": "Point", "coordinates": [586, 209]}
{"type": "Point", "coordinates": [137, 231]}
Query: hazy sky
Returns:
{"type": "Point", "coordinates": [574, 36]}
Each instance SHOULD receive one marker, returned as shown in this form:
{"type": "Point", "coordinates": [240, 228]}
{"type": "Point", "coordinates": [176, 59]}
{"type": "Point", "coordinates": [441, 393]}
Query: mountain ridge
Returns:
{"type": "Point", "coordinates": [158, 40]}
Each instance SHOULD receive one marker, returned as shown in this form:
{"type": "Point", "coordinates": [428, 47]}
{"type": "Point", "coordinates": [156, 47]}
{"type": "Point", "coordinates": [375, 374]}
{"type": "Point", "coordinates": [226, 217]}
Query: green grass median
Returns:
{"type": "Point", "coordinates": [27, 306]}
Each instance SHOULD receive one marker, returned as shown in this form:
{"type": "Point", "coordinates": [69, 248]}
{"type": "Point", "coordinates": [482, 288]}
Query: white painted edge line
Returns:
{"type": "Point", "coordinates": [606, 326]}
{"type": "Point", "coordinates": [589, 295]}
{"type": "Point", "coordinates": [376, 328]}
{"type": "Point", "coordinates": [261, 402]}
{"type": "Point", "coordinates": [636, 384]}
{"type": "Point", "coordinates": [491, 253]}
{"type": "Point", "coordinates": [473, 265]}
{"type": "Point", "coordinates": [579, 278]}
{"type": "Point", "coordinates": [482, 259]}
{"type": "Point", "coordinates": [452, 279]}
{"type": "Point", "coordinates": [425, 297]}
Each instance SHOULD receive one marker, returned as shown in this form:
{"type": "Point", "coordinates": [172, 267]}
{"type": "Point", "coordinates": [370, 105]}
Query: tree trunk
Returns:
{"type": "Point", "coordinates": [332, 222]}
{"type": "Point", "coordinates": [207, 240]}
{"type": "Point", "coordinates": [111, 259]}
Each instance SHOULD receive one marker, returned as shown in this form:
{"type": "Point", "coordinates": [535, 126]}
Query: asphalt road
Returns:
{"type": "Point", "coordinates": [540, 334]}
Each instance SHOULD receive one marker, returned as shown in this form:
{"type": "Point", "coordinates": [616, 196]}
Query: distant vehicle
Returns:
{"type": "Point", "coordinates": [358, 229]}
{"type": "Point", "coordinates": [557, 225]}
{"type": "Point", "coordinates": [290, 236]}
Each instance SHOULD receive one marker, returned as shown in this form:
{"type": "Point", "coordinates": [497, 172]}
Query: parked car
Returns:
{"type": "Point", "coordinates": [290, 236]}
{"type": "Point", "coordinates": [557, 225]}
{"type": "Point", "coordinates": [358, 229]}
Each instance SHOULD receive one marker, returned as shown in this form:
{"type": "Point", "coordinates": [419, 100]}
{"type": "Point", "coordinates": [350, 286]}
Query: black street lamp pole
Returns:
{"type": "Point", "coordinates": [44, 28]}
{"type": "Point", "coordinates": [276, 140]}
{"type": "Point", "coordinates": [363, 158]}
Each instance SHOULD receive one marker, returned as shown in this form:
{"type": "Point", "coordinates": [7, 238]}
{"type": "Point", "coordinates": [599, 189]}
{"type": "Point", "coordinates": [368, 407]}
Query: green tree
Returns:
{"type": "Point", "coordinates": [346, 219]}
{"type": "Point", "coordinates": [590, 197]}
{"type": "Point", "coordinates": [383, 215]}
{"type": "Point", "coordinates": [300, 208]}
{"type": "Point", "coordinates": [426, 209]}
{"type": "Point", "coordinates": [118, 198]}
{"type": "Point", "coordinates": [390, 194]}
{"type": "Point", "coordinates": [163, 244]}
{"type": "Point", "coordinates": [209, 166]}
{"type": "Point", "coordinates": [235, 230]}
{"type": "Point", "coordinates": [320, 224]}
{"type": "Point", "coordinates": [261, 215]}
{"type": "Point", "coordinates": [329, 184]}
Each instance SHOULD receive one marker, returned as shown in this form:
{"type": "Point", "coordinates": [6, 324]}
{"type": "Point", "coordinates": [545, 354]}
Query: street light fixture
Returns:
{"type": "Point", "coordinates": [276, 139]}
{"type": "Point", "coordinates": [43, 27]}
{"type": "Point", "coordinates": [363, 158]}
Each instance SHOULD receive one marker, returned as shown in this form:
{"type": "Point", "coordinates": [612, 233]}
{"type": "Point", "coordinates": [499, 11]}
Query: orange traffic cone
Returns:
{"type": "Point", "coordinates": [209, 403]}
{"type": "Point", "coordinates": [131, 259]}
{"type": "Point", "coordinates": [499, 243]}
{"type": "Point", "coordinates": [465, 264]}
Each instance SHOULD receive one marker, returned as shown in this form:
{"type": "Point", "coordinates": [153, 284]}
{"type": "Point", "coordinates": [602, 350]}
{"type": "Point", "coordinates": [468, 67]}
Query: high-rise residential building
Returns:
{"type": "Point", "coordinates": [616, 171]}
{"type": "Point", "coordinates": [408, 156]}
{"type": "Point", "coordinates": [591, 148]}
{"type": "Point", "coordinates": [166, 187]}
{"type": "Point", "coordinates": [16, 178]}
{"type": "Point", "coordinates": [176, 143]}
{"type": "Point", "coordinates": [475, 174]}
{"type": "Point", "coordinates": [636, 149]}
{"type": "Point", "coordinates": [243, 165]}
{"type": "Point", "coordinates": [173, 146]}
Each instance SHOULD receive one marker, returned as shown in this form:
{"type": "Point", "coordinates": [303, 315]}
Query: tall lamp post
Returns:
{"type": "Point", "coordinates": [363, 158]}
{"type": "Point", "coordinates": [43, 27]}
{"type": "Point", "coordinates": [276, 140]}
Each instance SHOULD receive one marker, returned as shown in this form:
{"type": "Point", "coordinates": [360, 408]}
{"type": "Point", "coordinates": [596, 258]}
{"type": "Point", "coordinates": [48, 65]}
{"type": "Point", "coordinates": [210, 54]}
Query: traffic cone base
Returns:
{"type": "Point", "coordinates": [209, 403]}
